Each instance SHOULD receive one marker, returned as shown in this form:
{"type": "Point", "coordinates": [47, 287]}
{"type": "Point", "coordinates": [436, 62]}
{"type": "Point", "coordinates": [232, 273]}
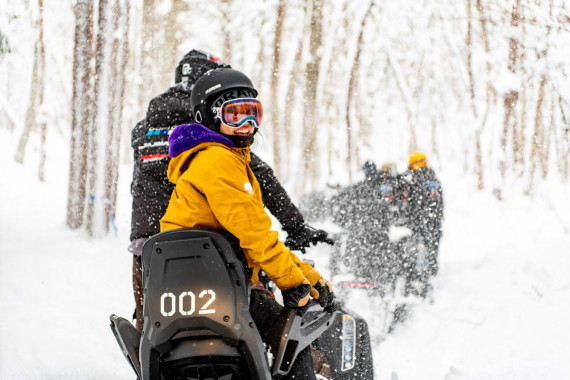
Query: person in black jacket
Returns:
{"type": "Point", "coordinates": [366, 210]}
{"type": "Point", "coordinates": [151, 189]}
{"type": "Point", "coordinates": [425, 213]}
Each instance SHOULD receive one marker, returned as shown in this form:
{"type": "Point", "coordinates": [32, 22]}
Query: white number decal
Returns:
{"type": "Point", "coordinates": [173, 304]}
{"type": "Point", "coordinates": [192, 303]}
{"type": "Point", "coordinates": [181, 300]}
{"type": "Point", "coordinates": [204, 309]}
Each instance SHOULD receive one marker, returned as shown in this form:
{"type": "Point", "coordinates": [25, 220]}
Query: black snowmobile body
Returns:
{"type": "Point", "coordinates": [346, 346]}
{"type": "Point", "coordinates": [196, 315]}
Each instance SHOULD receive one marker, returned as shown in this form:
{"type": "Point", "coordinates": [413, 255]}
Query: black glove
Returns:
{"type": "Point", "coordinates": [322, 291]}
{"type": "Point", "coordinates": [297, 296]}
{"type": "Point", "coordinates": [304, 236]}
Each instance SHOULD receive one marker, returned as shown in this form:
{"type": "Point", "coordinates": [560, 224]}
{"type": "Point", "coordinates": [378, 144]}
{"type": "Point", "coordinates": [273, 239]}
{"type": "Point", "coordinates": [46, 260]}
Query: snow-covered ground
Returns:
{"type": "Point", "coordinates": [500, 310]}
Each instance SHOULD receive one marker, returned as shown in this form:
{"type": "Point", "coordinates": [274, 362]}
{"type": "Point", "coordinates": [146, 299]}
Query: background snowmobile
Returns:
{"type": "Point", "coordinates": [376, 250]}
{"type": "Point", "coordinates": [198, 325]}
{"type": "Point", "coordinates": [376, 244]}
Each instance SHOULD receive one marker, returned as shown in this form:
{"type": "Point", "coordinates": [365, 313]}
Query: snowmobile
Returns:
{"type": "Point", "coordinates": [375, 251]}
{"type": "Point", "coordinates": [376, 243]}
{"type": "Point", "coordinates": [198, 325]}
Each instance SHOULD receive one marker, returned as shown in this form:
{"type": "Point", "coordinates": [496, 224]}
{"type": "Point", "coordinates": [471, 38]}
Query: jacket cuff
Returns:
{"type": "Point", "coordinates": [294, 278]}
{"type": "Point", "coordinates": [310, 273]}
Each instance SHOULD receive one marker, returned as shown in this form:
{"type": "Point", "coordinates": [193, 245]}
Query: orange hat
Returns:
{"type": "Point", "coordinates": [417, 160]}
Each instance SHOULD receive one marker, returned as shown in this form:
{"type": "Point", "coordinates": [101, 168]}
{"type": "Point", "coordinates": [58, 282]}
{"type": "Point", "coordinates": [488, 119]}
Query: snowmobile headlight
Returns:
{"type": "Point", "coordinates": [348, 342]}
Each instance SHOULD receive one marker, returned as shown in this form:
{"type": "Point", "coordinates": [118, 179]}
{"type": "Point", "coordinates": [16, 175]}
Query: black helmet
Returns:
{"type": "Point", "coordinates": [214, 88]}
{"type": "Point", "coordinates": [193, 65]}
{"type": "Point", "coordinates": [369, 168]}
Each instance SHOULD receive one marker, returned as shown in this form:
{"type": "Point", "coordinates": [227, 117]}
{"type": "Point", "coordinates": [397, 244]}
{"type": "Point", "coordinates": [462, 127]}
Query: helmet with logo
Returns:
{"type": "Point", "coordinates": [213, 89]}
{"type": "Point", "coordinates": [417, 160]}
{"type": "Point", "coordinates": [193, 65]}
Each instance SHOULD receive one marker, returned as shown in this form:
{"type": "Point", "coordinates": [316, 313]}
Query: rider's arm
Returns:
{"type": "Point", "coordinates": [275, 198]}
{"type": "Point", "coordinates": [233, 195]}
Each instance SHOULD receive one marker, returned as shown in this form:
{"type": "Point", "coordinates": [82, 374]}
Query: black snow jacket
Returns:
{"type": "Point", "coordinates": [425, 204]}
{"type": "Point", "coordinates": [150, 187]}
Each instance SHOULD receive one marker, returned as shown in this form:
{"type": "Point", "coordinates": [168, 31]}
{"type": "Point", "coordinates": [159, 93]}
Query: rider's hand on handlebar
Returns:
{"type": "Point", "coordinates": [304, 236]}
{"type": "Point", "coordinates": [322, 291]}
{"type": "Point", "coordinates": [297, 296]}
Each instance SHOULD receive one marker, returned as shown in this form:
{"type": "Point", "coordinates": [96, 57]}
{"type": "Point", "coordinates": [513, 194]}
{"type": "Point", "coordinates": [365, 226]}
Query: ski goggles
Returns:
{"type": "Point", "coordinates": [237, 112]}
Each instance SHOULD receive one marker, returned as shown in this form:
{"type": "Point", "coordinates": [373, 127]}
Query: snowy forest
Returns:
{"type": "Point", "coordinates": [478, 85]}
{"type": "Point", "coordinates": [482, 87]}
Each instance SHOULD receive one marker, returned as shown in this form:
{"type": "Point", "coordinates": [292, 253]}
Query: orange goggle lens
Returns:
{"type": "Point", "coordinates": [237, 112]}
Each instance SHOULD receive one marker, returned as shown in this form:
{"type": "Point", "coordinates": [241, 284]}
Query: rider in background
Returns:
{"type": "Point", "coordinates": [425, 207]}
{"type": "Point", "coordinates": [365, 211]}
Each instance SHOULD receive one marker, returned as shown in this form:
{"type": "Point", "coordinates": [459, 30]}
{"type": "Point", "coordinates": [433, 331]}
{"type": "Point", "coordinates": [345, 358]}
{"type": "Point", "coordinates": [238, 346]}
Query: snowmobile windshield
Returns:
{"type": "Point", "coordinates": [237, 112]}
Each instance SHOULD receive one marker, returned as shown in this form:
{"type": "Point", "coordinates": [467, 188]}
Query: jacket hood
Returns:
{"type": "Point", "coordinates": [170, 108]}
{"type": "Point", "coordinates": [187, 139]}
{"type": "Point", "coordinates": [188, 136]}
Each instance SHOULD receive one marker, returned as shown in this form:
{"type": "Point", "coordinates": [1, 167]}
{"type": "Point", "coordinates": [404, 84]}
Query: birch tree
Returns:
{"type": "Point", "coordinates": [31, 121]}
{"type": "Point", "coordinates": [121, 46]}
{"type": "Point", "coordinates": [103, 152]}
{"type": "Point", "coordinates": [42, 122]}
{"type": "Point", "coordinates": [275, 75]}
{"type": "Point", "coordinates": [149, 57]}
{"type": "Point", "coordinates": [351, 99]}
{"type": "Point", "coordinates": [81, 113]}
{"type": "Point", "coordinates": [310, 151]}
{"type": "Point", "coordinates": [510, 97]}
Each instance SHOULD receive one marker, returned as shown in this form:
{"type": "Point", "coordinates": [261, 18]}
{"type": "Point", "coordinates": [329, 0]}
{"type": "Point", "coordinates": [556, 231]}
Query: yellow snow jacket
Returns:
{"type": "Point", "coordinates": [216, 189]}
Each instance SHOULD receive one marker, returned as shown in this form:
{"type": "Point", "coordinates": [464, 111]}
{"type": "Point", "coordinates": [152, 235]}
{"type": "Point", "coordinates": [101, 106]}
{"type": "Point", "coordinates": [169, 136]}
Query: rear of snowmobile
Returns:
{"type": "Point", "coordinates": [198, 325]}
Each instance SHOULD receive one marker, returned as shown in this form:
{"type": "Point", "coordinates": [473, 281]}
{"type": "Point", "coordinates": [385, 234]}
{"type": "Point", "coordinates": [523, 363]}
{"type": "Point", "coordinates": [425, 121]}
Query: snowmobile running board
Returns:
{"type": "Point", "coordinates": [300, 327]}
{"type": "Point", "coordinates": [129, 340]}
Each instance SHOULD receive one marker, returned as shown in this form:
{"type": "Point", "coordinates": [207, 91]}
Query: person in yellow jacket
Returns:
{"type": "Point", "coordinates": [216, 189]}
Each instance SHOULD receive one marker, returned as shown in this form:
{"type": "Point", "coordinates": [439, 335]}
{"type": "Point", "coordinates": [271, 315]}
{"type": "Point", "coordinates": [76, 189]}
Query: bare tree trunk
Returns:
{"type": "Point", "coordinates": [510, 98]}
{"type": "Point", "coordinates": [148, 83]}
{"type": "Point", "coordinates": [225, 6]}
{"type": "Point", "coordinates": [490, 98]}
{"type": "Point", "coordinates": [469, 45]}
{"type": "Point", "coordinates": [536, 137]}
{"type": "Point", "coordinates": [171, 42]}
{"type": "Point", "coordinates": [310, 151]}
{"type": "Point", "coordinates": [491, 92]}
{"type": "Point", "coordinates": [330, 99]}
{"type": "Point", "coordinates": [290, 97]}
{"type": "Point", "coordinates": [520, 136]}
{"type": "Point", "coordinates": [547, 137]}
{"type": "Point", "coordinates": [120, 45]}
{"type": "Point", "coordinates": [509, 103]}
{"type": "Point", "coordinates": [31, 113]}
{"type": "Point", "coordinates": [275, 74]}
{"type": "Point", "coordinates": [98, 215]}
{"type": "Point", "coordinates": [81, 112]}
{"type": "Point", "coordinates": [350, 96]}
{"type": "Point", "coordinates": [41, 93]}
{"type": "Point", "coordinates": [565, 142]}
